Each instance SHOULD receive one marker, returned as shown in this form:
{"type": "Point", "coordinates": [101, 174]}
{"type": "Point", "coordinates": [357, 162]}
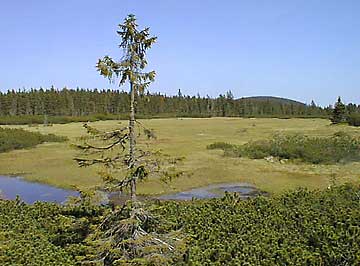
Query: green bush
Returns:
{"type": "Point", "coordinates": [11, 139]}
{"type": "Point", "coordinates": [354, 120]}
{"type": "Point", "coordinates": [25, 233]}
{"type": "Point", "coordinates": [325, 150]}
{"type": "Point", "coordinates": [44, 234]}
{"type": "Point", "coordinates": [220, 145]}
{"type": "Point", "coordinates": [297, 228]}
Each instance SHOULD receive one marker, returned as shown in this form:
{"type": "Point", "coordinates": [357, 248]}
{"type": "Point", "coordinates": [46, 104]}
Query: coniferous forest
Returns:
{"type": "Point", "coordinates": [112, 104]}
{"type": "Point", "coordinates": [84, 102]}
{"type": "Point", "coordinates": [37, 106]}
{"type": "Point", "coordinates": [53, 105]}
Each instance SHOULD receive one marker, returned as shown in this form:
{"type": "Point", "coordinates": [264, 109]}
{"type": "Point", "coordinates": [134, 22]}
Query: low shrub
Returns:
{"type": "Point", "coordinates": [220, 145]}
{"type": "Point", "coordinates": [11, 139]}
{"type": "Point", "coordinates": [354, 120]}
{"type": "Point", "coordinates": [326, 150]}
{"type": "Point", "coordinates": [300, 227]}
{"type": "Point", "coordinates": [44, 233]}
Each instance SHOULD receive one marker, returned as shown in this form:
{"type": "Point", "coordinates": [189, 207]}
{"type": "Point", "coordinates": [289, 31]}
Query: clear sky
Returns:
{"type": "Point", "coordinates": [300, 49]}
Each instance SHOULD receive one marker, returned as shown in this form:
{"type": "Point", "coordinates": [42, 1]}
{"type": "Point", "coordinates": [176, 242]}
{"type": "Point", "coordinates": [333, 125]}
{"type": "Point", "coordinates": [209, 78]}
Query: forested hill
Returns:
{"type": "Point", "coordinates": [84, 102]}
{"type": "Point", "coordinates": [274, 100]}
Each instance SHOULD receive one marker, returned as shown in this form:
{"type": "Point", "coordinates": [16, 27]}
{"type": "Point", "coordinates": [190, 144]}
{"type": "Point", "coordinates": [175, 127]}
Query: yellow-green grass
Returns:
{"type": "Point", "coordinates": [52, 163]}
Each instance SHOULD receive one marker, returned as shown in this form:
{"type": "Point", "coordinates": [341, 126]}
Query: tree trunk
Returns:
{"type": "Point", "coordinates": [132, 141]}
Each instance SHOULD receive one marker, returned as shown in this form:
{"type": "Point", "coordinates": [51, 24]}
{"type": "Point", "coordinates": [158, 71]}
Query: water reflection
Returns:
{"type": "Point", "coordinates": [30, 192]}
{"type": "Point", "coordinates": [215, 191]}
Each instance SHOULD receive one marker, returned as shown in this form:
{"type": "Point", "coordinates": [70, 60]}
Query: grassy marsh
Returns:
{"type": "Point", "coordinates": [52, 163]}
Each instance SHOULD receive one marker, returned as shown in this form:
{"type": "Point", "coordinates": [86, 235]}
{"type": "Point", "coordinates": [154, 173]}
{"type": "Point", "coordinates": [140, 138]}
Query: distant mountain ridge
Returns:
{"type": "Point", "coordinates": [272, 99]}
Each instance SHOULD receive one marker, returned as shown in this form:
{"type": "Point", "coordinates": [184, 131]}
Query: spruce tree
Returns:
{"type": "Point", "coordinates": [135, 44]}
{"type": "Point", "coordinates": [123, 237]}
{"type": "Point", "coordinates": [339, 112]}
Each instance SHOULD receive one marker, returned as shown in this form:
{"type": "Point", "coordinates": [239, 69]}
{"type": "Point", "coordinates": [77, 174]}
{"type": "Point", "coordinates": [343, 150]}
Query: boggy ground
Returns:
{"type": "Point", "coordinates": [52, 163]}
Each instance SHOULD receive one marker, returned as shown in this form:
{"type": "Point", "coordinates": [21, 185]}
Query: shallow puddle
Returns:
{"type": "Point", "coordinates": [215, 191]}
{"type": "Point", "coordinates": [30, 192]}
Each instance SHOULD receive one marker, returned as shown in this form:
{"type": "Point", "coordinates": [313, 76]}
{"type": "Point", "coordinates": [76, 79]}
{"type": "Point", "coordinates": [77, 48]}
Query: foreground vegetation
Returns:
{"type": "Point", "coordinates": [299, 227]}
{"type": "Point", "coordinates": [296, 228]}
{"type": "Point", "coordinates": [337, 148]}
{"type": "Point", "coordinates": [12, 139]}
{"type": "Point", "coordinates": [46, 234]}
{"type": "Point", "coordinates": [188, 138]}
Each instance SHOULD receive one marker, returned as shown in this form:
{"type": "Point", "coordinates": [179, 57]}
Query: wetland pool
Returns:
{"type": "Point", "coordinates": [30, 192]}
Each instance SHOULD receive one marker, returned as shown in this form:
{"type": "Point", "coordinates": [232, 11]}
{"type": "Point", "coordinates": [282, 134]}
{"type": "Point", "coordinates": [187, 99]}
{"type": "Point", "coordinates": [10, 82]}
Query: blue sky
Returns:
{"type": "Point", "coordinates": [299, 49]}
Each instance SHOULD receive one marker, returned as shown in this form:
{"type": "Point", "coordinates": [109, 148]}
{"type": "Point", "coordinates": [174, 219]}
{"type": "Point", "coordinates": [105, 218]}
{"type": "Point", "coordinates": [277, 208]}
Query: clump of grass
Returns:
{"type": "Point", "coordinates": [338, 148]}
{"type": "Point", "coordinates": [12, 139]}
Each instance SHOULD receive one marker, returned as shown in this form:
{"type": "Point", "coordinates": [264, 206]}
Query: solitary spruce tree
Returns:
{"type": "Point", "coordinates": [135, 44]}
{"type": "Point", "coordinates": [339, 112]}
{"type": "Point", "coordinates": [124, 236]}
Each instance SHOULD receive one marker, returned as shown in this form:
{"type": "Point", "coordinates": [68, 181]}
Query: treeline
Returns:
{"type": "Point", "coordinates": [345, 113]}
{"type": "Point", "coordinates": [71, 105]}
{"type": "Point", "coordinates": [83, 102]}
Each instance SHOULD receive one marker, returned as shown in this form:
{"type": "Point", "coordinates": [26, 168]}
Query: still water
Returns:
{"type": "Point", "coordinates": [30, 192]}
{"type": "Point", "coordinates": [245, 190]}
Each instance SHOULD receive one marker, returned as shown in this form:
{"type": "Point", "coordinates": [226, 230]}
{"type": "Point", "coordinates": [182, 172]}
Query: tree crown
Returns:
{"type": "Point", "coordinates": [135, 44]}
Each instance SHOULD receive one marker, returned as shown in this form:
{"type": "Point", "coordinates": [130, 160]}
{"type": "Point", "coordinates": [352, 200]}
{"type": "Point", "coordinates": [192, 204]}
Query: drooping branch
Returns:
{"type": "Point", "coordinates": [88, 146]}
{"type": "Point", "coordinates": [107, 161]}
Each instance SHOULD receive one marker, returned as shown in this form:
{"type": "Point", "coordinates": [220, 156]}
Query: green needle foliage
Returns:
{"type": "Point", "coordinates": [296, 228]}
{"type": "Point", "coordinates": [44, 234]}
{"type": "Point", "coordinates": [299, 227]}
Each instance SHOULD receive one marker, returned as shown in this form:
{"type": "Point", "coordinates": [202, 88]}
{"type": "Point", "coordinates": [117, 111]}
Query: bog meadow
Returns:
{"type": "Point", "coordinates": [128, 175]}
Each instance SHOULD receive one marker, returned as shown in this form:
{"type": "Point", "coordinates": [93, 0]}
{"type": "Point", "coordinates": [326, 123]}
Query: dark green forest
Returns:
{"type": "Point", "coordinates": [79, 105]}
{"type": "Point", "coordinates": [85, 102]}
